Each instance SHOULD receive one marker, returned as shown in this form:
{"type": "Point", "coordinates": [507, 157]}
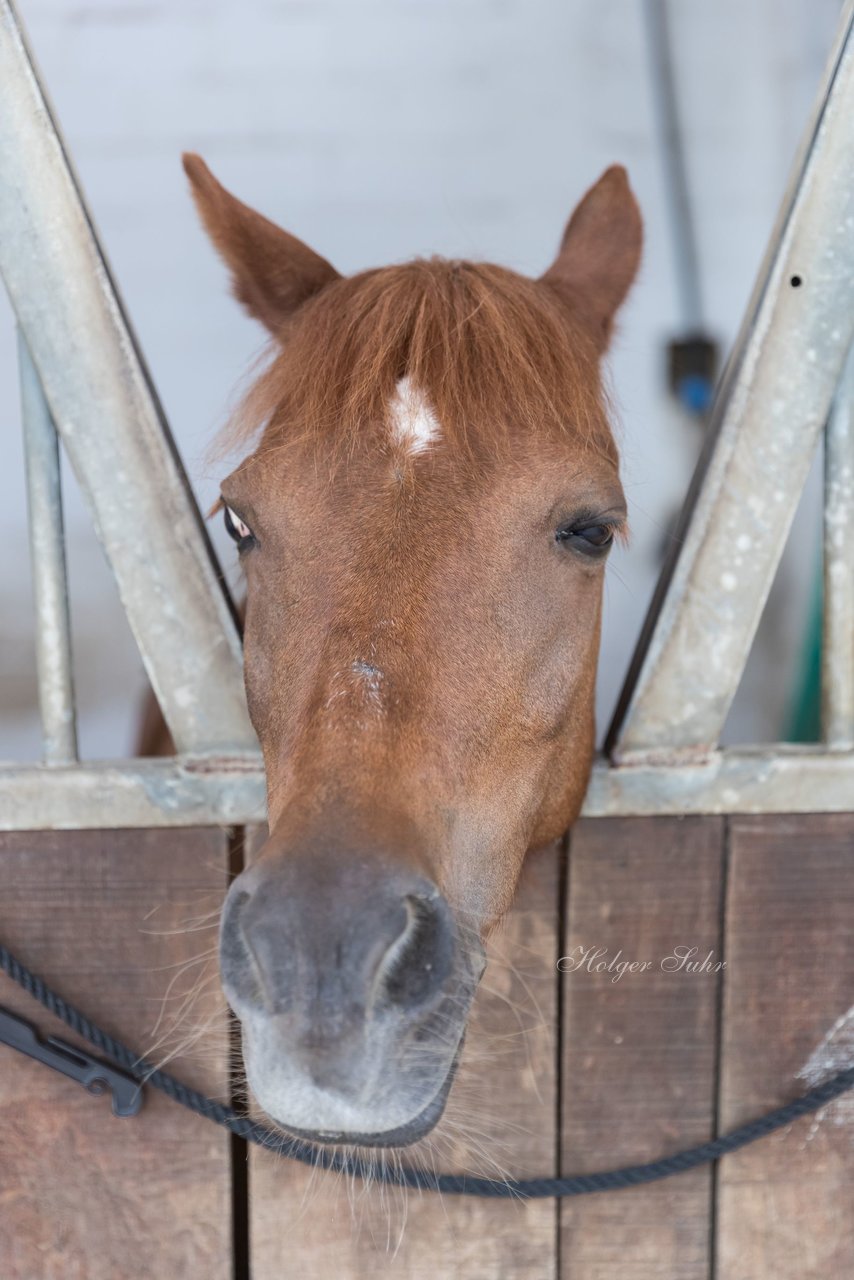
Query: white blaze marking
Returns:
{"type": "Point", "coordinates": [413, 422]}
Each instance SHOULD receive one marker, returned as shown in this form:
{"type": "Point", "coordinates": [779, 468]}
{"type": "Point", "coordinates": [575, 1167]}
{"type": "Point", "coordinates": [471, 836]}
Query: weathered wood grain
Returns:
{"type": "Point", "coordinates": [785, 1205]}
{"type": "Point", "coordinates": [502, 1115]}
{"type": "Point", "coordinates": [639, 1052]}
{"type": "Point", "coordinates": [111, 919]}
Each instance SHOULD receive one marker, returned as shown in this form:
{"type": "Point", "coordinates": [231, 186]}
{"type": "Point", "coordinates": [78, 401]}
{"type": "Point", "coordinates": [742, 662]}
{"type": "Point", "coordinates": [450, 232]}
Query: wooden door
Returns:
{"type": "Point", "coordinates": [626, 1054]}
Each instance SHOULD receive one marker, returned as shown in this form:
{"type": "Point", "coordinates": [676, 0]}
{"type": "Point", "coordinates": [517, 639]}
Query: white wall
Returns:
{"type": "Point", "coordinates": [381, 129]}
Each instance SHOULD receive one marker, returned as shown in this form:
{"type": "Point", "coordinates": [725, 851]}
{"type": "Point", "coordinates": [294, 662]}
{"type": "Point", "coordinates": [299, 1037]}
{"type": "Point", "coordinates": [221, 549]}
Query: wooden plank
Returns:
{"type": "Point", "coordinates": [785, 1204]}
{"type": "Point", "coordinates": [502, 1114]}
{"type": "Point", "coordinates": [639, 1049]}
{"type": "Point", "coordinates": [110, 919]}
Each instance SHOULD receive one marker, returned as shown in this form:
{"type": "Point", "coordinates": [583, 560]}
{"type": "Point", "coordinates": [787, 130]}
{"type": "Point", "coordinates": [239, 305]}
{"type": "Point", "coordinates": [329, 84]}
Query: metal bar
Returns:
{"type": "Point", "coordinates": [737, 780]}
{"type": "Point", "coordinates": [837, 651]}
{"type": "Point", "coordinates": [660, 46]}
{"type": "Point", "coordinates": [232, 792]}
{"type": "Point", "coordinates": [110, 422]}
{"type": "Point", "coordinates": [47, 560]}
{"type": "Point", "coordinates": [133, 793]}
{"type": "Point", "coordinates": [771, 408]}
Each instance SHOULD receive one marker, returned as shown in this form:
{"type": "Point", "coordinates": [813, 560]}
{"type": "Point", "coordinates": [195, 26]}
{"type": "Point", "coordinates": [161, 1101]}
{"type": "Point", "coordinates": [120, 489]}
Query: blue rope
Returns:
{"type": "Point", "coordinates": [632, 1175]}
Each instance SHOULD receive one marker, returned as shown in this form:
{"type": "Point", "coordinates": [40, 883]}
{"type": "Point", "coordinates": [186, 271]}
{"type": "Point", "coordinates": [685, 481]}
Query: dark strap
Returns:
{"type": "Point", "coordinates": [449, 1183]}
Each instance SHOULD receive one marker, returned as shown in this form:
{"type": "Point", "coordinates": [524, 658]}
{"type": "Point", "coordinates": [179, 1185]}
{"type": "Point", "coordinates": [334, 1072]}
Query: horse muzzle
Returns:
{"type": "Point", "coordinates": [352, 980]}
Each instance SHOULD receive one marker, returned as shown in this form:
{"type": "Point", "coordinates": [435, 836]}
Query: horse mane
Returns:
{"type": "Point", "coordinates": [492, 351]}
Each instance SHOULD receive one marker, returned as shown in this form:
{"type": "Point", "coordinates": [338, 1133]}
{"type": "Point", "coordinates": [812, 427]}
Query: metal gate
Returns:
{"type": "Point", "coordinates": [83, 378]}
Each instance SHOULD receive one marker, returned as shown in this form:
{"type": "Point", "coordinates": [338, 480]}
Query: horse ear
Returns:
{"type": "Point", "coordinates": [272, 272]}
{"type": "Point", "coordinates": [600, 253]}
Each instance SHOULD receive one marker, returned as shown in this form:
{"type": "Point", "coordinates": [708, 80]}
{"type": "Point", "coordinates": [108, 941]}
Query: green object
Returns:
{"type": "Point", "coordinates": [804, 719]}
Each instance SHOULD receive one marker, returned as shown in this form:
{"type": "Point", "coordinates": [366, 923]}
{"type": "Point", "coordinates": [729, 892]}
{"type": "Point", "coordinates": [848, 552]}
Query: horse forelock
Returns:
{"type": "Point", "coordinates": [470, 352]}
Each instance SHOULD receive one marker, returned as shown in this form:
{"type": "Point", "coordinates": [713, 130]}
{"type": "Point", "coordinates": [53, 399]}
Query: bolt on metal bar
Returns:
{"type": "Point", "coordinates": [110, 422]}
{"type": "Point", "coordinates": [769, 413]}
{"type": "Point", "coordinates": [47, 557]}
{"type": "Point", "coordinates": [837, 653]}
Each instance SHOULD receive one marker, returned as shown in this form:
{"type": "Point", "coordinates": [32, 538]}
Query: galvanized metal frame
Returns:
{"type": "Point", "coordinates": [769, 413]}
{"type": "Point", "coordinates": [50, 577]}
{"type": "Point", "coordinates": [186, 792]}
{"type": "Point", "coordinates": [232, 792]}
{"type": "Point", "coordinates": [837, 651]}
{"type": "Point", "coordinates": [82, 372]}
{"type": "Point", "coordinates": [110, 423]}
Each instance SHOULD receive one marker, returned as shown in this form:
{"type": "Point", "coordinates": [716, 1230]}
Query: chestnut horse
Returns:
{"type": "Point", "coordinates": [424, 515]}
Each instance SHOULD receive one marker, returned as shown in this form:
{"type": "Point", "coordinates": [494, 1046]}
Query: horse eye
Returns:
{"type": "Point", "coordinates": [590, 539]}
{"type": "Point", "coordinates": [238, 530]}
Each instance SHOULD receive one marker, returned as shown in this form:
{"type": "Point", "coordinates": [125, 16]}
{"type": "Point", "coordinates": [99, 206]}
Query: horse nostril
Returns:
{"type": "Point", "coordinates": [236, 964]}
{"type": "Point", "coordinates": [290, 946]}
{"type": "Point", "coordinates": [230, 923]}
{"type": "Point", "coordinates": [420, 958]}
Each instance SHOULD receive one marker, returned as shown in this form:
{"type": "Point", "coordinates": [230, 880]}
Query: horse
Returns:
{"type": "Point", "coordinates": [428, 492]}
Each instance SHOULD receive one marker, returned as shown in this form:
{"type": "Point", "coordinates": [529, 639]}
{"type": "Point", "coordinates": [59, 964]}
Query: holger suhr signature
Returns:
{"type": "Point", "coordinates": [681, 959]}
